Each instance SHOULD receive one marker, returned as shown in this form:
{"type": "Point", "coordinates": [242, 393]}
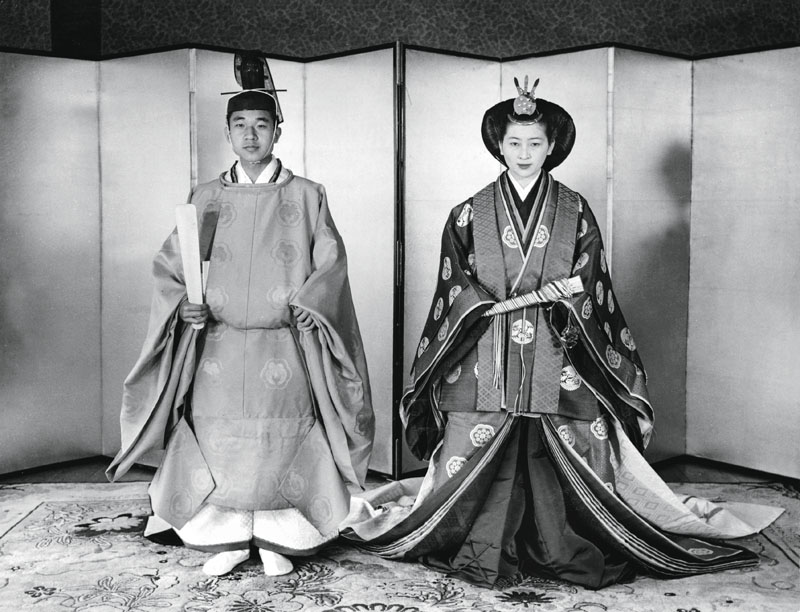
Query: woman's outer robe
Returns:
{"type": "Point", "coordinates": [534, 420]}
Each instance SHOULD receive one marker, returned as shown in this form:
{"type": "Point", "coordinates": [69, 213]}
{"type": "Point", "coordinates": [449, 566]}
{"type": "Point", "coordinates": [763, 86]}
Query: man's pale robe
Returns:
{"type": "Point", "coordinates": [253, 414]}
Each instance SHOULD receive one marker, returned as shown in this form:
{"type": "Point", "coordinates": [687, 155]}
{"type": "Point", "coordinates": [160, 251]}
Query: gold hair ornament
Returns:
{"type": "Point", "coordinates": [525, 102]}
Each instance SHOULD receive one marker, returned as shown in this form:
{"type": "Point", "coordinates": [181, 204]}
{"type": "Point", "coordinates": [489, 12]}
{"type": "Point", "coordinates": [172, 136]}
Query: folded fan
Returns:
{"type": "Point", "coordinates": [551, 292]}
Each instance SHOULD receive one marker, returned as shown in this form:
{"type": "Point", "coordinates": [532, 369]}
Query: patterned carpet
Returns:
{"type": "Point", "coordinates": [79, 547]}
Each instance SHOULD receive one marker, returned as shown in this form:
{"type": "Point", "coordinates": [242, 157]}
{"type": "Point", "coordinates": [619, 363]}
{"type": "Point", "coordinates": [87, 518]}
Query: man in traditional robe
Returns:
{"type": "Point", "coordinates": [264, 414]}
{"type": "Point", "coordinates": [528, 397]}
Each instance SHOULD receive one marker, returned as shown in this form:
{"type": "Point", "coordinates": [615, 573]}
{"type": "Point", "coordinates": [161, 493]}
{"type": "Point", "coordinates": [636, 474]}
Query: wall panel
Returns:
{"type": "Point", "coordinates": [350, 149]}
{"type": "Point", "coordinates": [742, 383]}
{"type": "Point", "coordinates": [49, 262]}
{"type": "Point", "coordinates": [144, 140]}
{"type": "Point", "coordinates": [493, 29]}
{"type": "Point", "coordinates": [27, 25]}
{"type": "Point", "coordinates": [651, 144]}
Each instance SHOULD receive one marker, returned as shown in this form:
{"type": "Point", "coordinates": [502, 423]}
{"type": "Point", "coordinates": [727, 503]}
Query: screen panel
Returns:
{"type": "Point", "coordinates": [349, 148]}
{"type": "Point", "coordinates": [49, 261]}
{"type": "Point", "coordinates": [446, 163]}
{"type": "Point", "coordinates": [742, 382]}
{"type": "Point", "coordinates": [145, 159]}
{"type": "Point", "coordinates": [652, 149]}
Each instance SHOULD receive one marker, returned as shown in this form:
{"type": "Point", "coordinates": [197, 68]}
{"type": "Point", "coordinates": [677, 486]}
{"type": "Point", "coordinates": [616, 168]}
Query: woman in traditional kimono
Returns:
{"type": "Point", "coordinates": [528, 396]}
{"type": "Point", "coordinates": [265, 413]}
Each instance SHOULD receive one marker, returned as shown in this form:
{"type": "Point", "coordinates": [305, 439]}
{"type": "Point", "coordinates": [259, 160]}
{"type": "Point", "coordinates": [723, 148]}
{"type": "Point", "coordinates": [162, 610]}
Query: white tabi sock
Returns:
{"type": "Point", "coordinates": [224, 562]}
{"type": "Point", "coordinates": [275, 564]}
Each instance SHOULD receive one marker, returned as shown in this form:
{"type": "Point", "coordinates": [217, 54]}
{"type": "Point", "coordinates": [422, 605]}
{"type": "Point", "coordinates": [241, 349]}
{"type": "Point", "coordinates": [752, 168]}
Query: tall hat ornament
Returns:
{"type": "Point", "coordinates": [526, 109]}
{"type": "Point", "coordinates": [252, 73]}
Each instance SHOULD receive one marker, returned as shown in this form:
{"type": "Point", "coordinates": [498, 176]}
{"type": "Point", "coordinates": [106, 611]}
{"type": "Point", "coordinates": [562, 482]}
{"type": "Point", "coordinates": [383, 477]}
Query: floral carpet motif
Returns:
{"type": "Point", "coordinates": [79, 547]}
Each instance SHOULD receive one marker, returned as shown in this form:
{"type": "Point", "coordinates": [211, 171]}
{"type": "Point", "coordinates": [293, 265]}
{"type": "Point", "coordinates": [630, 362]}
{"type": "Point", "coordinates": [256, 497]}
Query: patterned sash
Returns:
{"type": "Point", "coordinates": [491, 273]}
{"type": "Point", "coordinates": [519, 357]}
{"type": "Point", "coordinates": [549, 356]}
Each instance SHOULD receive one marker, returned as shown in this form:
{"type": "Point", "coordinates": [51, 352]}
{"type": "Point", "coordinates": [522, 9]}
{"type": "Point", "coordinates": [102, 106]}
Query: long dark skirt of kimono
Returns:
{"type": "Point", "coordinates": [524, 503]}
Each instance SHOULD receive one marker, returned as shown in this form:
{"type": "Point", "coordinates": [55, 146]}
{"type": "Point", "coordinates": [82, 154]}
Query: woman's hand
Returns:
{"type": "Point", "coordinates": [193, 313]}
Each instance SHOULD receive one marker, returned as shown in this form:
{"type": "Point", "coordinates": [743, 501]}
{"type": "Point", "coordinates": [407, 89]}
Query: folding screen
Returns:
{"type": "Point", "coordinates": [158, 121]}
{"type": "Point", "coordinates": [743, 383]}
{"type": "Point", "coordinates": [349, 148]}
{"type": "Point", "coordinates": [445, 163]}
{"type": "Point", "coordinates": [648, 232]}
{"type": "Point", "coordinates": [146, 161]}
{"type": "Point", "coordinates": [49, 261]}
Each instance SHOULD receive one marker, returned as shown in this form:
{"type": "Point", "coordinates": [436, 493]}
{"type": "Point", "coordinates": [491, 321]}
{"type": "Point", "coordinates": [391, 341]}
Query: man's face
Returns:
{"type": "Point", "coordinates": [252, 134]}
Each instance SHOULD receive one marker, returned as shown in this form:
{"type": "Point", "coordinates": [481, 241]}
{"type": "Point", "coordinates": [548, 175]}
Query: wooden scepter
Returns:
{"type": "Point", "coordinates": [189, 239]}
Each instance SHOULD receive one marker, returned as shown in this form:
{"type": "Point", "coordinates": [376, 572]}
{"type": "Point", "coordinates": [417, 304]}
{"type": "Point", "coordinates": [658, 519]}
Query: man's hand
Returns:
{"type": "Point", "coordinates": [304, 321]}
{"type": "Point", "coordinates": [194, 313]}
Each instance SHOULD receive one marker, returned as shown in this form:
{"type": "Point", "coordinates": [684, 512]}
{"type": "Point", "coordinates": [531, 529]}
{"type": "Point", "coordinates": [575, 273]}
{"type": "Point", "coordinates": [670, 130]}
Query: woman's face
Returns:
{"type": "Point", "coordinates": [525, 148]}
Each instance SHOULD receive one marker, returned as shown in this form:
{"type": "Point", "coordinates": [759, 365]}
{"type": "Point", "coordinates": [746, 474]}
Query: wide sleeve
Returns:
{"type": "Point", "coordinates": [452, 328]}
{"type": "Point", "coordinates": [334, 352]}
{"type": "Point", "coordinates": [155, 389]}
{"type": "Point", "coordinates": [606, 355]}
